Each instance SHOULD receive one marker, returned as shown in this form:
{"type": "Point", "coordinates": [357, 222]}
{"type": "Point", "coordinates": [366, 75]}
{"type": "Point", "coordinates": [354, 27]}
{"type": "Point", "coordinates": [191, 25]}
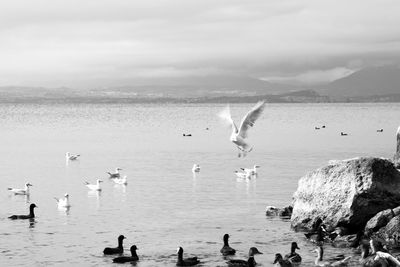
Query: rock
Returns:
{"type": "Point", "coordinates": [286, 211]}
{"type": "Point", "coordinates": [346, 194]}
{"type": "Point", "coordinates": [390, 233]}
{"type": "Point", "coordinates": [380, 220]}
{"type": "Point", "coordinates": [396, 158]}
{"type": "Point", "coordinates": [271, 211]}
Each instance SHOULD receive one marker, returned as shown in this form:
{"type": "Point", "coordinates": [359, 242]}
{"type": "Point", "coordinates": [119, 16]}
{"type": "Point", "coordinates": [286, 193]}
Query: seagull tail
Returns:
{"type": "Point", "coordinates": [86, 183]}
{"type": "Point", "coordinates": [9, 188]}
{"type": "Point", "coordinates": [57, 199]}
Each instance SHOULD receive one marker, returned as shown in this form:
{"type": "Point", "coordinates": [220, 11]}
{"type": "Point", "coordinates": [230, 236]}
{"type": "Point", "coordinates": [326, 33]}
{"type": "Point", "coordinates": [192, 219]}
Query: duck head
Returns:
{"type": "Point", "coordinates": [133, 248]}
{"type": "Point", "coordinates": [294, 246]}
{"type": "Point", "coordinates": [253, 251]}
{"type": "Point", "coordinates": [278, 257]}
{"type": "Point", "coordinates": [28, 184]}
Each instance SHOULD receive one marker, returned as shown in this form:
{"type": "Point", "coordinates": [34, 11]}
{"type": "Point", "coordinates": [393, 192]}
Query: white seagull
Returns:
{"type": "Point", "coordinates": [243, 175]}
{"type": "Point", "coordinates": [196, 168]}
{"type": "Point", "coordinates": [238, 136]}
{"type": "Point", "coordinates": [116, 174]}
{"type": "Point", "coordinates": [63, 202]}
{"type": "Point", "coordinates": [68, 156]}
{"type": "Point", "coordinates": [252, 171]}
{"type": "Point", "coordinates": [18, 191]}
{"type": "Point", "coordinates": [94, 187]}
{"type": "Point", "coordinates": [122, 180]}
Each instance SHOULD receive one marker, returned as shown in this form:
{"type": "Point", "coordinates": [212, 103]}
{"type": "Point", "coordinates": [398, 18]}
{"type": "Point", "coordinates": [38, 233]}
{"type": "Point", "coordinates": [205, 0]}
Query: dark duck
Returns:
{"type": "Point", "coordinates": [226, 249]}
{"type": "Point", "coordinates": [185, 262]}
{"type": "Point", "coordinates": [31, 214]}
{"type": "Point", "coordinates": [243, 263]}
{"type": "Point", "coordinates": [293, 256]}
{"type": "Point", "coordinates": [281, 261]}
{"type": "Point", "coordinates": [132, 258]}
{"type": "Point", "coordinates": [117, 250]}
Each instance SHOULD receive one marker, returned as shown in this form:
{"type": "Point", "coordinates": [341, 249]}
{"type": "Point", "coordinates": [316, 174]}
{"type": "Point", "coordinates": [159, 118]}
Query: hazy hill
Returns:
{"type": "Point", "coordinates": [366, 82]}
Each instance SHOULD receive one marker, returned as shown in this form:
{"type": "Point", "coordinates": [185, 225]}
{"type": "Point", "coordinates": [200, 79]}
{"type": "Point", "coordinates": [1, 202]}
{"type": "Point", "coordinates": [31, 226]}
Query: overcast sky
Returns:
{"type": "Point", "coordinates": [92, 43]}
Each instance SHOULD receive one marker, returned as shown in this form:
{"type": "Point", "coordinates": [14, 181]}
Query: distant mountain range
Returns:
{"type": "Point", "coordinates": [378, 84]}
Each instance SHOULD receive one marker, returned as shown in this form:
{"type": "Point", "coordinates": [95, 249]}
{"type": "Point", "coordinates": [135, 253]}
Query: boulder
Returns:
{"type": "Point", "coordinates": [346, 194]}
{"type": "Point", "coordinates": [396, 158]}
{"type": "Point", "coordinates": [390, 234]}
{"type": "Point", "coordinates": [281, 212]}
{"type": "Point", "coordinates": [380, 220]}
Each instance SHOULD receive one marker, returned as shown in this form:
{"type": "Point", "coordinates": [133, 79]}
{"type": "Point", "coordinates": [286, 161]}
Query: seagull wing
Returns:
{"type": "Point", "coordinates": [250, 118]}
{"type": "Point", "coordinates": [225, 114]}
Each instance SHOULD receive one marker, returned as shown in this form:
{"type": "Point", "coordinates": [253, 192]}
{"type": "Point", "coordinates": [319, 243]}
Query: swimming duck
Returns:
{"type": "Point", "coordinates": [317, 236]}
{"type": "Point", "coordinates": [226, 249]}
{"type": "Point", "coordinates": [380, 131]}
{"type": "Point", "coordinates": [18, 191]}
{"type": "Point", "coordinates": [31, 214]}
{"type": "Point", "coordinates": [95, 187]}
{"type": "Point", "coordinates": [319, 260]}
{"type": "Point", "coordinates": [185, 262]}
{"type": "Point", "coordinates": [117, 250]}
{"type": "Point", "coordinates": [63, 202]}
{"type": "Point", "coordinates": [281, 261]}
{"type": "Point", "coordinates": [68, 156]}
{"type": "Point", "coordinates": [343, 134]}
{"type": "Point", "coordinates": [123, 259]}
{"type": "Point", "coordinates": [316, 128]}
{"type": "Point", "coordinates": [252, 171]}
{"type": "Point", "coordinates": [187, 135]}
{"type": "Point", "coordinates": [293, 256]}
{"type": "Point", "coordinates": [196, 168]}
{"type": "Point", "coordinates": [116, 174]}
{"type": "Point", "coordinates": [243, 263]}
{"type": "Point", "coordinates": [122, 180]}
{"type": "Point", "coordinates": [238, 136]}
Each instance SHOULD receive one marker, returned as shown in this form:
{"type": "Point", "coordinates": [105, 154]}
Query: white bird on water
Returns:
{"type": "Point", "coordinates": [196, 168]}
{"type": "Point", "coordinates": [116, 174]}
{"type": "Point", "coordinates": [18, 191]}
{"type": "Point", "coordinates": [238, 136]}
{"type": "Point", "coordinates": [68, 156]}
{"type": "Point", "coordinates": [122, 180]}
{"type": "Point", "coordinates": [63, 202]}
{"type": "Point", "coordinates": [243, 175]}
{"type": "Point", "coordinates": [252, 171]}
{"type": "Point", "coordinates": [94, 187]}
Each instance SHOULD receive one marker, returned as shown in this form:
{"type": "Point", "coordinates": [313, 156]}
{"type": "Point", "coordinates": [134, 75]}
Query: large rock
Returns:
{"type": "Point", "coordinates": [396, 158]}
{"type": "Point", "coordinates": [346, 193]}
{"type": "Point", "coordinates": [390, 234]}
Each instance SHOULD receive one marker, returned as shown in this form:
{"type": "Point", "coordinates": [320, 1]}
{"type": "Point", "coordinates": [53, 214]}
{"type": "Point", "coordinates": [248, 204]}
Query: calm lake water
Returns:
{"type": "Point", "coordinates": [164, 206]}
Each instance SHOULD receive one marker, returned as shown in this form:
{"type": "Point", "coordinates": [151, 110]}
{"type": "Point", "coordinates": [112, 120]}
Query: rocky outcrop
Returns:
{"type": "Point", "coordinates": [346, 193]}
{"type": "Point", "coordinates": [396, 158]}
{"type": "Point", "coordinates": [281, 212]}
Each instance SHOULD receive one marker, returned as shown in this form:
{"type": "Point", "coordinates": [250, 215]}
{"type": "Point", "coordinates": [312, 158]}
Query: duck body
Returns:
{"type": "Point", "coordinates": [251, 262]}
{"type": "Point", "coordinates": [31, 214]}
{"type": "Point", "coordinates": [17, 191]}
{"type": "Point", "coordinates": [133, 257]}
{"type": "Point", "coordinates": [226, 249]}
{"type": "Point", "coordinates": [186, 262]}
{"type": "Point", "coordinates": [280, 261]}
{"type": "Point", "coordinates": [117, 250]}
{"type": "Point", "coordinates": [293, 256]}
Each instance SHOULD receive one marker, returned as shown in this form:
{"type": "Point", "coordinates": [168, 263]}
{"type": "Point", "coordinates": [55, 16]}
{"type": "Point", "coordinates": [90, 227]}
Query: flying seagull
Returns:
{"type": "Point", "coordinates": [238, 136]}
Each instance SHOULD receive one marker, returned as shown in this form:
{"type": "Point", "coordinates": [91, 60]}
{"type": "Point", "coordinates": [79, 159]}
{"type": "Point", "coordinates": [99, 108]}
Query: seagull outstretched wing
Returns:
{"type": "Point", "coordinates": [250, 118]}
{"type": "Point", "coordinates": [225, 114]}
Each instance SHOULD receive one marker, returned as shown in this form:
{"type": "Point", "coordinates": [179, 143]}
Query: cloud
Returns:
{"type": "Point", "coordinates": [48, 42]}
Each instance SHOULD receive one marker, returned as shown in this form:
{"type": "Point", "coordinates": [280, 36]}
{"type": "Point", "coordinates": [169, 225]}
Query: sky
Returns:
{"type": "Point", "coordinates": [95, 43]}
